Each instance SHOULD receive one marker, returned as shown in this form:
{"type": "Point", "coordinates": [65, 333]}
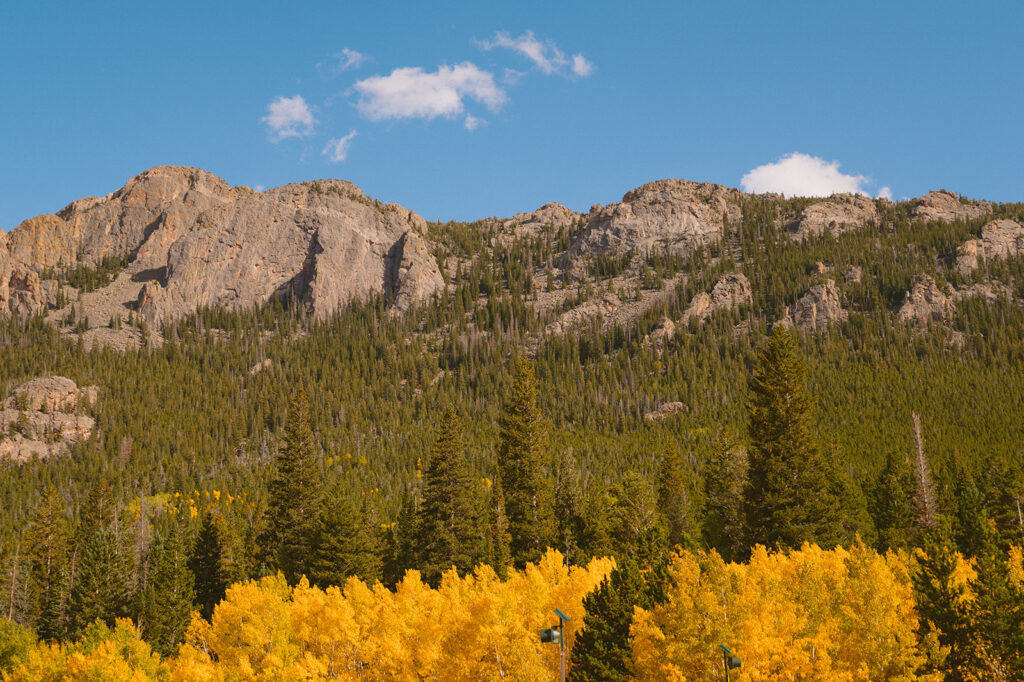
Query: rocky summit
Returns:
{"type": "Point", "coordinates": [175, 239]}
{"type": "Point", "coordinates": [189, 239]}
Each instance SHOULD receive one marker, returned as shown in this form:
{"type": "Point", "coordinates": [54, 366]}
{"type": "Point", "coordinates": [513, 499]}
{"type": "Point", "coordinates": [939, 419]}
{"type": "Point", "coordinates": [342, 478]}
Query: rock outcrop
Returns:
{"type": "Point", "coordinates": [816, 309]}
{"type": "Point", "coordinates": [533, 223]}
{"type": "Point", "coordinates": [730, 291]}
{"type": "Point", "coordinates": [839, 213]}
{"type": "Point", "coordinates": [41, 418]}
{"type": "Point", "coordinates": [668, 215]}
{"type": "Point", "coordinates": [926, 302]}
{"type": "Point", "coordinates": [999, 239]}
{"type": "Point", "coordinates": [664, 411]}
{"type": "Point", "coordinates": [945, 207]}
{"type": "Point", "coordinates": [192, 240]}
{"type": "Point", "coordinates": [591, 310]}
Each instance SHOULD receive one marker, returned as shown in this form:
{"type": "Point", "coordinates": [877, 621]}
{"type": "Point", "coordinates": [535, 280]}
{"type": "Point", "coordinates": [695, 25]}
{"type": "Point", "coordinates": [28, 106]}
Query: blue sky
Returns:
{"type": "Point", "coordinates": [466, 110]}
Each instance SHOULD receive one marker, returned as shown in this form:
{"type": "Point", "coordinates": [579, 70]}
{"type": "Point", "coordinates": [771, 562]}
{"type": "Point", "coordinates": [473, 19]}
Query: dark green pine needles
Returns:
{"type": "Point", "coordinates": [790, 498]}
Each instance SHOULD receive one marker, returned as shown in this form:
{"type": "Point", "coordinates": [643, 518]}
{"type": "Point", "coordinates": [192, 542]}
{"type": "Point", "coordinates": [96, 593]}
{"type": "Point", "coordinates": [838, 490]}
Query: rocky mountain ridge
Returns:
{"type": "Point", "coordinates": [183, 239]}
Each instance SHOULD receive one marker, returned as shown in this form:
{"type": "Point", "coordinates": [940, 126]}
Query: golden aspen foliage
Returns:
{"type": "Point", "coordinates": [810, 614]}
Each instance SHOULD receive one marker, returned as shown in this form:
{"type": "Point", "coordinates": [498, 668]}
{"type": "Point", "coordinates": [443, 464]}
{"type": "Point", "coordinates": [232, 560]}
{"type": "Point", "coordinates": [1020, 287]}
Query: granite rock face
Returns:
{"type": "Point", "coordinates": [926, 302]}
{"type": "Point", "coordinates": [191, 240]}
{"type": "Point", "coordinates": [730, 291]}
{"type": "Point", "coordinates": [671, 215]}
{"type": "Point", "coordinates": [533, 223]}
{"type": "Point", "coordinates": [999, 239]}
{"type": "Point", "coordinates": [42, 418]}
{"type": "Point", "coordinates": [840, 213]}
{"type": "Point", "coordinates": [817, 309]}
{"type": "Point", "coordinates": [946, 207]}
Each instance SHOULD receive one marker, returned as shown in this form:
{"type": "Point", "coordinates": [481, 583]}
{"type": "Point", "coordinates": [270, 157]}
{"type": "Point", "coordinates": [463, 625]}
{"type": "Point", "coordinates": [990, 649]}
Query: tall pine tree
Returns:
{"type": "Point", "coordinates": [521, 459]}
{"type": "Point", "coordinates": [207, 566]}
{"type": "Point", "coordinates": [790, 497]}
{"type": "Point", "coordinates": [345, 547]}
{"type": "Point", "coordinates": [294, 496]}
{"type": "Point", "coordinates": [165, 603]}
{"type": "Point", "coordinates": [449, 521]}
{"type": "Point", "coordinates": [498, 553]}
{"type": "Point", "coordinates": [49, 550]}
{"type": "Point", "coordinates": [725, 482]}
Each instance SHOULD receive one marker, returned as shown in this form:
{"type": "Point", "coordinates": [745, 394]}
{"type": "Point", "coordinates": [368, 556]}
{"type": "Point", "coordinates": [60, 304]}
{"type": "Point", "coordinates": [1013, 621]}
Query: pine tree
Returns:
{"type": "Point", "coordinates": [925, 500]}
{"type": "Point", "coordinates": [499, 555]}
{"type": "Point", "coordinates": [345, 546]}
{"type": "Point", "coordinates": [999, 610]}
{"type": "Point", "coordinates": [895, 516]}
{"type": "Point", "coordinates": [602, 650]}
{"type": "Point", "coordinates": [725, 480]}
{"type": "Point", "coordinates": [206, 564]}
{"type": "Point", "coordinates": [943, 604]}
{"type": "Point", "coordinates": [294, 496]}
{"type": "Point", "coordinates": [634, 515]}
{"type": "Point", "coordinates": [677, 501]}
{"type": "Point", "coordinates": [448, 519]}
{"type": "Point", "coordinates": [49, 549]}
{"type": "Point", "coordinates": [570, 515]}
{"type": "Point", "coordinates": [101, 575]}
{"type": "Point", "coordinates": [402, 549]}
{"type": "Point", "coordinates": [102, 581]}
{"type": "Point", "coordinates": [528, 488]}
{"type": "Point", "coordinates": [165, 604]}
{"type": "Point", "coordinates": [790, 498]}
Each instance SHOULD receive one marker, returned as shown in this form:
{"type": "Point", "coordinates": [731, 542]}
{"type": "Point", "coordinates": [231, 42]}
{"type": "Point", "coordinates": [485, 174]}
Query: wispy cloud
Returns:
{"type": "Point", "coordinates": [803, 175]}
{"type": "Point", "coordinates": [289, 117]}
{"type": "Point", "coordinates": [544, 54]}
{"type": "Point", "coordinates": [337, 148]}
{"type": "Point", "coordinates": [472, 122]}
{"type": "Point", "coordinates": [411, 92]}
{"type": "Point", "coordinates": [350, 59]}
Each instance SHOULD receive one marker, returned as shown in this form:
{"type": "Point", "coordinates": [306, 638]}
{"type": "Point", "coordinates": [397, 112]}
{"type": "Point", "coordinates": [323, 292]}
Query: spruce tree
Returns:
{"type": "Point", "coordinates": [294, 496]}
{"type": "Point", "coordinates": [49, 549]}
{"type": "Point", "coordinates": [790, 497]}
{"type": "Point", "coordinates": [521, 460]}
{"type": "Point", "coordinates": [345, 547]}
{"type": "Point", "coordinates": [165, 605]}
{"type": "Point", "coordinates": [570, 515]}
{"type": "Point", "coordinates": [401, 551]}
{"type": "Point", "coordinates": [725, 482]}
{"type": "Point", "coordinates": [206, 565]}
{"type": "Point", "coordinates": [102, 581]}
{"type": "Point", "coordinates": [602, 649]}
{"type": "Point", "coordinates": [499, 554]}
{"type": "Point", "coordinates": [101, 575]}
{"type": "Point", "coordinates": [449, 521]}
{"type": "Point", "coordinates": [678, 502]}
{"type": "Point", "coordinates": [895, 515]}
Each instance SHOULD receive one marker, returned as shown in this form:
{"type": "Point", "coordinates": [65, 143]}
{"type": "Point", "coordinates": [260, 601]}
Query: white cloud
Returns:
{"type": "Point", "coordinates": [350, 59]}
{"type": "Point", "coordinates": [885, 193]}
{"type": "Point", "coordinates": [544, 54]}
{"type": "Point", "coordinates": [581, 66]}
{"type": "Point", "coordinates": [411, 92]}
{"type": "Point", "coordinates": [289, 117]}
{"type": "Point", "coordinates": [337, 148]}
{"type": "Point", "coordinates": [802, 175]}
{"type": "Point", "coordinates": [472, 122]}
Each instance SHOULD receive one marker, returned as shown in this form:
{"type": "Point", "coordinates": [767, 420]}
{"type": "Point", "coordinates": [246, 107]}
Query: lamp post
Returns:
{"type": "Point", "coordinates": [729, 660]}
{"type": "Point", "coordinates": [557, 634]}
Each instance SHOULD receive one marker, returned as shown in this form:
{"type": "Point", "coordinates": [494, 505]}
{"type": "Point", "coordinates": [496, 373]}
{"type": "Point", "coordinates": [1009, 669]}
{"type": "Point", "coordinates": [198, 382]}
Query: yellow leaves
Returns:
{"type": "Point", "coordinates": [470, 628]}
{"type": "Point", "coordinates": [808, 614]}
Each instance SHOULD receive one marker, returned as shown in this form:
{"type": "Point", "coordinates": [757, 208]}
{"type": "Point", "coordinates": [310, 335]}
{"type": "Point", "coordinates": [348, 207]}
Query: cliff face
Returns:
{"type": "Point", "coordinates": [192, 240]}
